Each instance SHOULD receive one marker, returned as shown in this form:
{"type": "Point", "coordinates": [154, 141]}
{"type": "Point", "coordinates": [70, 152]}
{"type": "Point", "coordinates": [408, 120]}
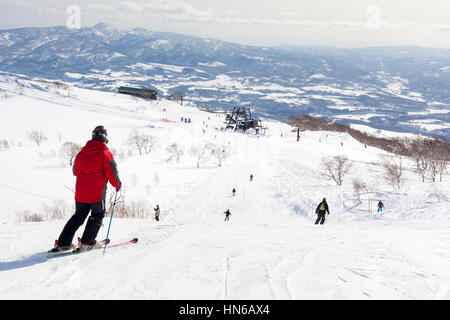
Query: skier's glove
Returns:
{"type": "Point", "coordinates": [118, 189]}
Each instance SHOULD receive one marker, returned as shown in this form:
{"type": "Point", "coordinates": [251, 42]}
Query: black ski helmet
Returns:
{"type": "Point", "coordinates": [100, 134]}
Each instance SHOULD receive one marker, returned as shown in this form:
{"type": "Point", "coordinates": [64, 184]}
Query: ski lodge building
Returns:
{"type": "Point", "coordinates": [143, 93]}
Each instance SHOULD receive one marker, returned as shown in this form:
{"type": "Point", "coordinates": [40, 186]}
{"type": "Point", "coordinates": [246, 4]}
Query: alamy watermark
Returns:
{"type": "Point", "coordinates": [74, 19]}
{"type": "Point", "coordinates": [374, 19]}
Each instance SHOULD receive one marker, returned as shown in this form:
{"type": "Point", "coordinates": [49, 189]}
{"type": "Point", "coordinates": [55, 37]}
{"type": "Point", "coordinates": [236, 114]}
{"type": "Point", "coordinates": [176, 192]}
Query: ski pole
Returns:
{"type": "Point", "coordinates": [110, 220]}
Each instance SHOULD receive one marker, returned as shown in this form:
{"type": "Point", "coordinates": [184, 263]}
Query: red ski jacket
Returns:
{"type": "Point", "coordinates": [94, 166]}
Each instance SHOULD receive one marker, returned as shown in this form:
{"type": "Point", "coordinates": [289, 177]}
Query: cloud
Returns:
{"type": "Point", "coordinates": [292, 14]}
{"type": "Point", "coordinates": [171, 10]}
{"type": "Point", "coordinates": [47, 10]}
{"type": "Point", "coordinates": [37, 7]}
{"type": "Point", "coordinates": [175, 10]}
{"type": "Point", "coordinates": [99, 8]}
{"type": "Point", "coordinates": [131, 7]}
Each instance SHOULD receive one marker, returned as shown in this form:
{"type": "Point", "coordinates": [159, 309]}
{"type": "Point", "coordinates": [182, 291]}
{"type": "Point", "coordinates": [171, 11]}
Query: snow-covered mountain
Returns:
{"type": "Point", "coordinates": [270, 248]}
{"type": "Point", "coordinates": [395, 88]}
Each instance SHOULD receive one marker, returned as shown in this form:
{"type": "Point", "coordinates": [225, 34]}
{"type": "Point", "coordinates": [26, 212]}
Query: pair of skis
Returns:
{"type": "Point", "coordinates": [100, 245]}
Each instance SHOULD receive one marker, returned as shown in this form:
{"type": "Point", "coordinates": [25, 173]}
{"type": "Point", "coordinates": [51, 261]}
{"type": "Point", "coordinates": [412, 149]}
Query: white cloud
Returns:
{"type": "Point", "coordinates": [47, 10]}
{"type": "Point", "coordinates": [176, 10]}
{"type": "Point", "coordinates": [131, 7]}
{"type": "Point", "coordinates": [99, 8]}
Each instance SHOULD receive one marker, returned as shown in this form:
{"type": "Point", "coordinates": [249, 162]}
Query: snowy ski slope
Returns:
{"type": "Point", "coordinates": [270, 248]}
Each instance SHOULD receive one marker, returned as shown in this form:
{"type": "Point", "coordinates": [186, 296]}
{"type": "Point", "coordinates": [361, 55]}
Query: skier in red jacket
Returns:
{"type": "Point", "coordinates": [94, 166]}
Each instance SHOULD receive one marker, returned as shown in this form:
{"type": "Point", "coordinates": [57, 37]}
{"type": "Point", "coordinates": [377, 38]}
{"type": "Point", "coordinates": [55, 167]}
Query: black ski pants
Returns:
{"type": "Point", "coordinates": [320, 218]}
{"type": "Point", "coordinates": [76, 221]}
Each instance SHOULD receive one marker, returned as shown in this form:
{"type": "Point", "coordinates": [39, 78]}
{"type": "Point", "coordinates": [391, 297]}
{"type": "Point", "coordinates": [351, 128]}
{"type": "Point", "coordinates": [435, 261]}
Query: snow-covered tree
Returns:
{"type": "Point", "coordinates": [219, 152]}
{"type": "Point", "coordinates": [198, 152]}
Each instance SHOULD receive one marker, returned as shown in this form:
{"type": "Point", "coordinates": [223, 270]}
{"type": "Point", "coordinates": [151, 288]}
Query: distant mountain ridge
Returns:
{"type": "Point", "coordinates": [395, 88]}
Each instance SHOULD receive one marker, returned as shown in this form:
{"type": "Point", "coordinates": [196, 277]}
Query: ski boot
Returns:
{"type": "Point", "coordinates": [82, 247]}
{"type": "Point", "coordinates": [58, 248]}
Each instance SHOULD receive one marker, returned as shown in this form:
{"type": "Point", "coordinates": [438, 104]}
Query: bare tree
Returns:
{"type": "Point", "coordinates": [4, 94]}
{"type": "Point", "coordinates": [177, 96]}
{"type": "Point", "coordinates": [433, 167]}
{"type": "Point", "coordinates": [36, 136]}
{"type": "Point", "coordinates": [68, 90]}
{"type": "Point", "coordinates": [393, 170]}
{"type": "Point", "coordinates": [336, 168]}
{"type": "Point", "coordinates": [221, 154]}
{"type": "Point", "coordinates": [439, 156]}
{"type": "Point", "coordinates": [431, 157]}
{"type": "Point", "coordinates": [442, 164]}
{"type": "Point", "coordinates": [19, 88]}
{"type": "Point", "coordinates": [4, 144]}
{"type": "Point", "coordinates": [69, 150]}
{"type": "Point", "coordinates": [176, 151]}
{"type": "Point", "coordinates": [421, 164]}
{"type": "Point", "coordinates": [149, 142]}
{"type": "Point", "coordinates": [136, 142]}
{"type": "Point", "coordinates": [359, 187]}
{"type": "Point", "coordinates": [144, 143]}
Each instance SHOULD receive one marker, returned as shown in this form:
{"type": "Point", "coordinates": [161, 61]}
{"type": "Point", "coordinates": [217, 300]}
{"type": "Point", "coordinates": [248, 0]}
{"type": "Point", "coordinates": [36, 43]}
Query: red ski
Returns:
{"type": "Point", "coordinates": [108, 246]}
{"type": "Point", "coordinates": [101, 245]}
{"type": "Point", "coordinates": [126, 243]}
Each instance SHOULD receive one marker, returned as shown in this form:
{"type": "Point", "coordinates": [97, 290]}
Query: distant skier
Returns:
{"type": "Point", "coordinates": [380, 206]}
{"type": "Point", "coordinates": [157, 212]}
{"type": "Point", "coordinates": [234, 192]}
{"type": "Point", "coordinates": [227, 215]}
{"type": "Point", "coordinates": [321, 209]}
{"type": "Point", "coordinates": [251, 177]}
{"type": "Point", "coordinates": [94, 166]}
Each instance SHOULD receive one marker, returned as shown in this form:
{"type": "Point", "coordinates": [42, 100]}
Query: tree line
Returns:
{"type": "Point", "coordinates": [430, 155]}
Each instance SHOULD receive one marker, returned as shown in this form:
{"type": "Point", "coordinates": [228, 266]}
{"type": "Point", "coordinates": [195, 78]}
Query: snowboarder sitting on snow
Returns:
{"type": "Point", "coordinates": [321, 209]}
{"type": "Point", "coordinates": [227, 215]}
{"type": "Point", "coordinates": [380, 206]}
{"type": "Point", "coordinates": [94, 166]}
{"type": "Point", "coordinates": [157, 212]}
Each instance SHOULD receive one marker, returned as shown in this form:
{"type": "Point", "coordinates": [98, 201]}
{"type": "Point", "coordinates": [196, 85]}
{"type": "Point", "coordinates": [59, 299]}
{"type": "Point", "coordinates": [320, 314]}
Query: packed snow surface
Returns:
{"type": "Point", "coordinates": [270, 248]}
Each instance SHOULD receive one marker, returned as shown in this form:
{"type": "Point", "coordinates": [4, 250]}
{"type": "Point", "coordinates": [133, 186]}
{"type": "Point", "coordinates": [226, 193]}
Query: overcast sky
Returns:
{"type": "Point", "coordinates": [343, 23]}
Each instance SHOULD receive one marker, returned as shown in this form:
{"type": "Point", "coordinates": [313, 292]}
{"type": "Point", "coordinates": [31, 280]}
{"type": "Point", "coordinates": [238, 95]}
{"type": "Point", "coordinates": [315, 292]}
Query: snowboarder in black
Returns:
{"type": "Point", "coordinates": [251, 177]}
{"type": "Point", "coordinates": [321, 209]}
{"type": "Point", "coordinates": [227, 215]}
{"type": "Point", "coordinates": [380, 206]}
{"type": "Point", "coordinates": [234, 192]}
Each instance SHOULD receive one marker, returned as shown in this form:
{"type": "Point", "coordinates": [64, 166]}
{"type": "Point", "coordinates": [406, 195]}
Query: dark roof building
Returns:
{"type": "Point", "coordinates": [144, 93]}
